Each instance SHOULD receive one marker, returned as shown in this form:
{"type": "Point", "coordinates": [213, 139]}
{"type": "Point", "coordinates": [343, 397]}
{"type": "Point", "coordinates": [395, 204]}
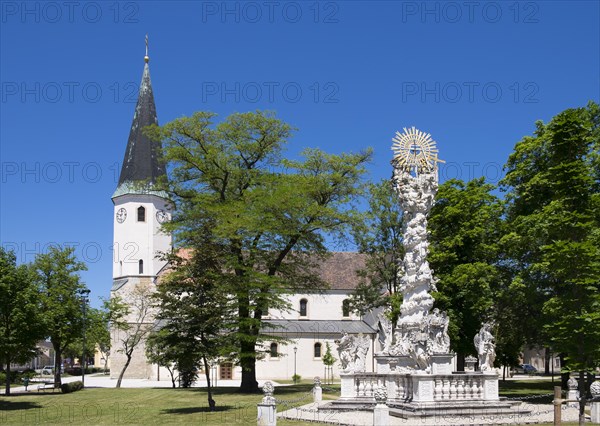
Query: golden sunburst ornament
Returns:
{"type": "Point", "coordinates": [415, 151]}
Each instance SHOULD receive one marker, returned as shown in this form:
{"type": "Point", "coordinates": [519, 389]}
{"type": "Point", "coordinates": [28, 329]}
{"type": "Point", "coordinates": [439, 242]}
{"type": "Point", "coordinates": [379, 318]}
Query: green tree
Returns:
{"type": "Point", "coordinates": [270, 215]}
{"type": "Point", "coordinates": [554, 214]}
{"type": "Point", "coordinates": [58, 277]}
{"type": "Point", "coordinates": [465, 225]}
{"type": "Point", "coordinates": [161, 351]}
{"type": "Point", "coordinates": [196, 310]}
{"type": "Point", "coordinates": [98, 331]}
{"type": "Point", "coordinates": [329, 360]}
{"type": "Point", "coordinates": [97, 336]}
{"type": "Point", "coordinates": [20, 322]}
{"type": "Point", "coordinates": [379, 236]}
{"type": "Point", "coordinates": [132, 320]}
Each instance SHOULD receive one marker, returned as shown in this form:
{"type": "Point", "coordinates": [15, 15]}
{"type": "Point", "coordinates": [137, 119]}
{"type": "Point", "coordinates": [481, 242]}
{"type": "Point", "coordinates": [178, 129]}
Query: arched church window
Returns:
{"type": "Point", "coordinates": [141, 266]}
{"type": "Point", "coordinates": [303, 306]}
{"type": "Point", "coordinates": [346, 308]}
{"type": "Point", "coordinates": [273, 350]}
{"type": "Point", "coordinates": [141, 214]}
{"type": "Point", "coordinates": [317, 350]}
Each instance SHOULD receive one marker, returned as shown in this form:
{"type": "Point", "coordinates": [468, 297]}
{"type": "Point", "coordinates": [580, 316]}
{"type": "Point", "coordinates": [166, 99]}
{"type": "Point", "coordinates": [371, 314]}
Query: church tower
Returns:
{"type": "Point", "coordinates": [139, 211]}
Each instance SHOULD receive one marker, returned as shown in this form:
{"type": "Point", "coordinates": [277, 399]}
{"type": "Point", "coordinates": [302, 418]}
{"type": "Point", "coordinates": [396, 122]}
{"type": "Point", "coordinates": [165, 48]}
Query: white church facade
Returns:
{"type": "Point", "coordinates": [314, 321]}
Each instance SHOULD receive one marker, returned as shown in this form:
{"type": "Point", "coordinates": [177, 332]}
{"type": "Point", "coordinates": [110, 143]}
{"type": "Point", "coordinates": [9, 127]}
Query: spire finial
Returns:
{"type": "Point", "coordinates": [146, 58]}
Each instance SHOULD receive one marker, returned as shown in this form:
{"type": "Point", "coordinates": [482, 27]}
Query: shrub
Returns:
{"type": "Point", "coordinates": [71, 387]}
{"type": "Point", "coordinates": [296, 378]}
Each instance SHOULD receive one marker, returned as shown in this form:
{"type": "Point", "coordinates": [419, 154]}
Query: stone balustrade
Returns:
{"type": "Point", "coordinates": [422, 387]}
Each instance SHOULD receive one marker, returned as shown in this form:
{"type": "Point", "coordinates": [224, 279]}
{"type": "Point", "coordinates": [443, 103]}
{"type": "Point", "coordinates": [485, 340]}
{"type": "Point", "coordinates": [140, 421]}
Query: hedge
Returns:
{"type": "Point", "coordinates": [71, 387]}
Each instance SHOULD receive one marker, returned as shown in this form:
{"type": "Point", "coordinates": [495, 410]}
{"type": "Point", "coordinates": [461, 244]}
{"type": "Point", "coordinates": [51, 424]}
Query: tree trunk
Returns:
{"type": "Point", "coordinates": [582, 397]}
{"type": "Point", "coordinates": [123, 370]}
{"type": "Point", "coordinates": [211, 402]}
{"type": "Point", "coordinates": [564, 376]}
{"type": "Point", "coordinates": [248, 364]}
{"type": "Point", "coordinates": [460, 362]}
{"type": "Point", "coordinates": [172, 373]}
{"type": "Point", "coordinates": [57, 367]}
{"type": "Point", "coordinates": [7, 387]}
{"type": "Point", "coordinates": [547, 356]}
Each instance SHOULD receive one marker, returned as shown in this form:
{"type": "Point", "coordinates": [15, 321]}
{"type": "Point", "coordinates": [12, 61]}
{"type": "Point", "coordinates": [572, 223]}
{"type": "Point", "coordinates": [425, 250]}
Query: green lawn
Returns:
{"type": "Point", "coordinates": [144, 406]}
{"type": "Point", "coordinates": [180, 406]}
{"type": "Point", "coordinates": [524, 388]}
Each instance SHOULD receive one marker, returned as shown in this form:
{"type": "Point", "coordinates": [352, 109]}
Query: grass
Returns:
{"type": "Point", "coordinates": [145, 406]}
{"type": "Point", "coordinates": [527, 387]}
{"type": "Point", "coordinates": [183, 406]}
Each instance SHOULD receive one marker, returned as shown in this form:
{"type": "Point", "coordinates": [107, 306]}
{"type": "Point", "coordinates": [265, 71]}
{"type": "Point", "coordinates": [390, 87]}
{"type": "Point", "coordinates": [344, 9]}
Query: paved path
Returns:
{"type": "Point", "coordinates": [102, 381]}
{"type": "Point", "coordinates": [540, 413]}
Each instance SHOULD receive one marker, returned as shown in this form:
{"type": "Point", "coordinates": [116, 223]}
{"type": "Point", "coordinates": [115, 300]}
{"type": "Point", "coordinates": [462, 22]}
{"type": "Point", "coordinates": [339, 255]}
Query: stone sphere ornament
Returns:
{"type": "Point", "coordinates": [380, 394]}
{"type": "Point", "coordinates": [595, 389]}
{"type": "Point", "coordinates": [572, 383]}
{"type": "Point", "coordinates": [268, 390]}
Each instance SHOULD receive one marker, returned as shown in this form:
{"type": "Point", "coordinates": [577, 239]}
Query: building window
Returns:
{"type": "Point", "coordinates": [317, 350]}
{"type": "Point", "coordinates": [141, 266]}
{"type": "Point", "coordinates": [303, 305]}
{"type": "Point", "coordinates": [273, 351]}
{"type": "Point", "coordinates": [141, 214]}
{"type": "Point", "coordinates": [346, 308]}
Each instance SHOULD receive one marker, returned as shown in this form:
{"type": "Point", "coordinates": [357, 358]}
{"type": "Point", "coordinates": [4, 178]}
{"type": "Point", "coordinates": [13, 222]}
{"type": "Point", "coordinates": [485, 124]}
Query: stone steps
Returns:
{"type": "Point", "coordinates": [458, 409]}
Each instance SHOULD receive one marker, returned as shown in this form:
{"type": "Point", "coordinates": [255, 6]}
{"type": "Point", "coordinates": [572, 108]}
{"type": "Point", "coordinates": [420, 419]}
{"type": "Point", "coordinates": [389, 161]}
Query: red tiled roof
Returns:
{"type": "Point", "coordinates": [339, 270]}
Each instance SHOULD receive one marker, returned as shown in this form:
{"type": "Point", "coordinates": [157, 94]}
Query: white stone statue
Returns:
{"type": "Point", "coordinates": [419, 333]}
{"type": "Point", "coordinates": [486, 347]}
{"type": "Point", "coordinates": [362, 349]}
{"type": "Point", "coordinates": [385, 325]}
{"type": "Point", "coordinates": [416, 194]}
{"type": "Point", "coordinates": [438, 331]}
{"type": "Point", "coordinates": [353, 352]}
{"type": "Point", "coordinates": [345, 347]}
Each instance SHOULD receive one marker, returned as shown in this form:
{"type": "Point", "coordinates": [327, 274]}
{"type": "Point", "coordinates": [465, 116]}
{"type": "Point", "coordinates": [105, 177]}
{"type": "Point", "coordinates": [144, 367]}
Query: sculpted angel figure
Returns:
{"type": "Point", "coordinates": [345, 348]}
{"type": "Point", "coordinates": [360, 354]}
{"type": "Point", "coordinates": [385, 325]}
{"type": "Point", "coordinates": [486, 347]}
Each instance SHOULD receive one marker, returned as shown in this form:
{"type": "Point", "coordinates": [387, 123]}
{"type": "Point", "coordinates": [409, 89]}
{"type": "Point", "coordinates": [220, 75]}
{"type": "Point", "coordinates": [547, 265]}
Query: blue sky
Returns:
{"type": "Point", "coordinates": [476, 75]}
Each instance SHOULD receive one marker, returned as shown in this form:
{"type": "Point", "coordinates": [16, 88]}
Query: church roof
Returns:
{"type": "Point", "coordinates": [142, 161]}
{"type": "Point", "coordinates": [339, 270]}
{"type": "Point", "coordinates": [317, 326]}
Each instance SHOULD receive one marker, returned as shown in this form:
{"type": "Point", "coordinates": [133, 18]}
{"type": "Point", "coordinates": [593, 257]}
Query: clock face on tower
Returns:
{"type": "Point", "coordinates": [162, 216]}
{"type": "Point", "coordinates": [121, 215]}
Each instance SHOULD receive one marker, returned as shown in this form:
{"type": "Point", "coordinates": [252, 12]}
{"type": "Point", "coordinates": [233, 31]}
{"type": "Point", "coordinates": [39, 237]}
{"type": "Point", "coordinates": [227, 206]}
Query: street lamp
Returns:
{"type": "Point", "coordinates": [295, 376]}
{"type": "Point", "coordinates": [83, 297]}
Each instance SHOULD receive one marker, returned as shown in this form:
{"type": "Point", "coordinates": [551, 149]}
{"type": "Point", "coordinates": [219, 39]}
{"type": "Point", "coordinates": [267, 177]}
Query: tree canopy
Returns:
{"type": "Point", "coordinates": [379, 235]}
{"type": "Point", "coordinates": [20, 317]}
{"type": "Point", "coordinates": [58, 277]}
{"type": "Point", "coordinates": [553, 184]}
{"type": "Point", "coordinates": [465, 225]}
{"type": "Point", "coordinates": [269, 216]}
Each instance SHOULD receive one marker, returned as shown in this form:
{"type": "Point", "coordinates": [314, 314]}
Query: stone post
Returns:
{"type": "Point", "coordinates": [595, 405]}
{"type": "Point", "coordinates": [347, 385]}
{"type": "Point", "coordinates": [490, 387]}
{"type": "Point", "coordinates": [267, 409]}
{"type": "Point", "coordinates": [573, 393]}
{"type": "Point", "coordinates": [317, 390]}
{"type": "Point", "coordinates": [422, 388]}
{"type": "Point", "coordinates": [381, 412]}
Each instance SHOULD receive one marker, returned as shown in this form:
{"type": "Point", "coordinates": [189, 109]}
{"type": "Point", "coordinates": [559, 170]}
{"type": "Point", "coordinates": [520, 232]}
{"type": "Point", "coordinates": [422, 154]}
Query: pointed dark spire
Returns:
{"type": "Point", "coordinates": [142, 161]}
